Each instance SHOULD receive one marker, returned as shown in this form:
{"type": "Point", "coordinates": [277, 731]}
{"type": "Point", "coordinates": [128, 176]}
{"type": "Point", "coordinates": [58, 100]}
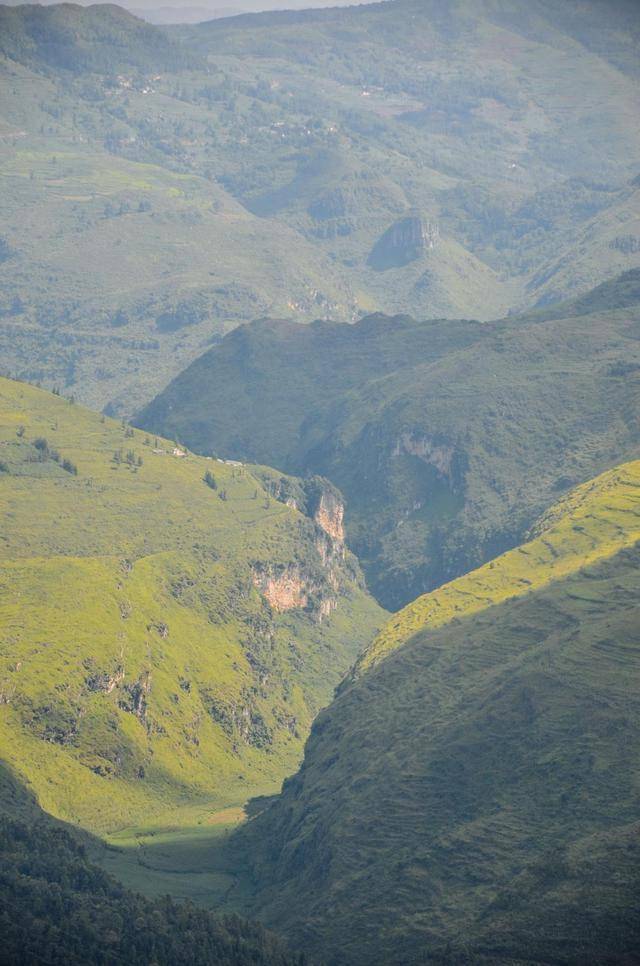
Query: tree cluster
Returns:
{"type": "Point", "coordinates": [56, 907]}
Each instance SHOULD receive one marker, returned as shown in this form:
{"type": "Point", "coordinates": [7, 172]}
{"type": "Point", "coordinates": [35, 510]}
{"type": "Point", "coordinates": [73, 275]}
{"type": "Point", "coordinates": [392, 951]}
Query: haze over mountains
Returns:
{"type": "Point", "coordinates": [459, 161]}
{"type": "Point", "coordinates": [186, 11]}
{"type": "Point", "coordinates": [320, 484]}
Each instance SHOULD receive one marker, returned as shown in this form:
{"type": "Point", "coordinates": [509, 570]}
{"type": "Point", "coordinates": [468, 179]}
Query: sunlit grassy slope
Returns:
{"type": "Point", "coordinates": [472, 797]}
{"type": "Point", "coordinates": [141, 671]}
{"type": "Point", "coordinates": [594, 522]}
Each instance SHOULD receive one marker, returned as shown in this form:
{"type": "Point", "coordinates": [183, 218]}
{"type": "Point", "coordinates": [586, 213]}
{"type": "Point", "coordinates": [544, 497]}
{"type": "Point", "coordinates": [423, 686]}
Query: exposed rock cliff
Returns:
{"type": "Point", "coordinates": [283, 588]}
{"type": "Point", "coordinates": [289, 586]}
{"type": "Point", "coordinates": [188, 645]}
{"type": "Point", "coordinates": [404, 242]}
{"type": "Point", "coordinates": [329, 515]}
{"type": "Point", "coordinates": [436, 451]}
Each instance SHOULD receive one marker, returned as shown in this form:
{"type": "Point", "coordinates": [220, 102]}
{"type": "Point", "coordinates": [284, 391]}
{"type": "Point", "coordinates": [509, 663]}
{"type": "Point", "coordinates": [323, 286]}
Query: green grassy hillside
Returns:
{"type": "Point", "coordinates": [473, 796]}
{"type": "Point", "coordinates": [599, 519]}
{"type": "Point", "coordinates": [159, 187]}
{"type": "Point", "coordinates": [164, 644]}
{"type": "Point", "coordinates": [448, 439]}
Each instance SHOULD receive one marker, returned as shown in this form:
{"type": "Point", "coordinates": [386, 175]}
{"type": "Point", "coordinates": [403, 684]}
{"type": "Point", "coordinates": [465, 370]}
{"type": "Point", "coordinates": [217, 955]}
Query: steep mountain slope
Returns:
{"type": "Point", "coordinates": [160, 187]}
{"type": "Point", "coordinates": [472, 797]}
{"type": "Point", "coordinates": [448, 439]}
{"type": "Point", "coordinates": [166, 639]}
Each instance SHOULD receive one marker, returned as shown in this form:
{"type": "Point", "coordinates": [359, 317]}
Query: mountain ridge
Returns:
{"type": "Point", "coordinates": [211, 175]}
{"type": "Point", "coordinates": [438, 433]}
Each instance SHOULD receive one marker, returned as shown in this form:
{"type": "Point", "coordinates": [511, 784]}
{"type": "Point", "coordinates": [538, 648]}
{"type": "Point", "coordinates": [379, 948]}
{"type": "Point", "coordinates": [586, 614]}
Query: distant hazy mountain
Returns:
{"type": "Point", "coordinates": [184, 11]}
{"type": "Point", "coordinates": [162, 186]}
{"type": "Point", "coordinates": [187, 12]}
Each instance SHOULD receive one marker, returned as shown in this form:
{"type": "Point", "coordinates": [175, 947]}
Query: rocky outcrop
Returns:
{"type": "Point", "coordinates": [316, 585]}
{"type": "Point", "coordinates": [326, 607]}
{"type": "Point", "coordinates": [438, 452]}
{"type": "Point", "coordinates": [283, 588]}
{"type": "Point", "coordinates": [289, 587]}
{"type": "Point", "coordinates": [239, 718]}
{"type": "Point", "coordinates": [104, 681]}
{"type": "Point", "coordinates": [329, 515]}
{"type": "Point", "coordinates": [333, 204]}
{"type": "Point", "coordinates": [627, 244]}
{"type": "Point", "coordinates": [134, 696]}
{"type": "Point", "coordinates": [404, 242]}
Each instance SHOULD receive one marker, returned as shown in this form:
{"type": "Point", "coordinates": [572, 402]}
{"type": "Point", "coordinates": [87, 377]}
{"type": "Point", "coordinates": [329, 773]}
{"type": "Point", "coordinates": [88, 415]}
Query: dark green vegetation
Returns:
{"type": "Point", "coordinates": [72, 38]}
{"type": "Point", "coordinates": [56, 907]}
{"type": "Point", "coordinates": [472, 798]}
{"type": "Point", "coordinates": [163, 650]}
{"type": "Point", "coordinates": [160, 187]}
{"type": "Point", "coordinates": [448, 438]}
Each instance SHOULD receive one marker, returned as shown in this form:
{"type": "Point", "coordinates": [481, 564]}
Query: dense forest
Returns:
{"type": "Point", "coordinates": [58, 908]}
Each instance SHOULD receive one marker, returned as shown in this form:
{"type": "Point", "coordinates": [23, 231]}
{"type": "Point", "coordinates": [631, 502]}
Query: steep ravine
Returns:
{"type": "Point", "coordinates": [448, 438]}
{"type": "Point", "coordinates": [470, 796]}
{"type": "Point", "coordinates": [169, 625]}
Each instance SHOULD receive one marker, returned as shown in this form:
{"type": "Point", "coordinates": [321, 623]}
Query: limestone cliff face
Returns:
{"type": "Point", "coordinates": [440, 453]}
{"type": "Point", "coordinates": [317, 585]}
{"type": "Point", "coordinates": [283, 590]}
{"type": "Point", "coordinates": [407, 240]}
{"type": "Point", "coordinates": [329, 515]}
{"type": "Point", "coordinates": [292, 587]}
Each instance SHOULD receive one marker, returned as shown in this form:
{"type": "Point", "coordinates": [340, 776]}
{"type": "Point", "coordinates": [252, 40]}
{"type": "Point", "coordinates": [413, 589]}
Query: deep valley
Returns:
{"type": "Point", "coordinates": [320, 484]}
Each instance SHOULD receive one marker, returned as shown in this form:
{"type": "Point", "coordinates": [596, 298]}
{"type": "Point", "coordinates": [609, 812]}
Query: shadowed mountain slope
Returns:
{"type": "Point", "coordinates": [473, 796]}
{"type": "Point", "coordinates": [447, 438]}
{"type": "Point", "coordinates": [57, 907]}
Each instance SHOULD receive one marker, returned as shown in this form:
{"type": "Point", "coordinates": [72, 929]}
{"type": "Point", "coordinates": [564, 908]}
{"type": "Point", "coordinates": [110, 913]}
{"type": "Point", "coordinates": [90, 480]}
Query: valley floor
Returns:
{"type": "Point", "coordinates": [185, 858]}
